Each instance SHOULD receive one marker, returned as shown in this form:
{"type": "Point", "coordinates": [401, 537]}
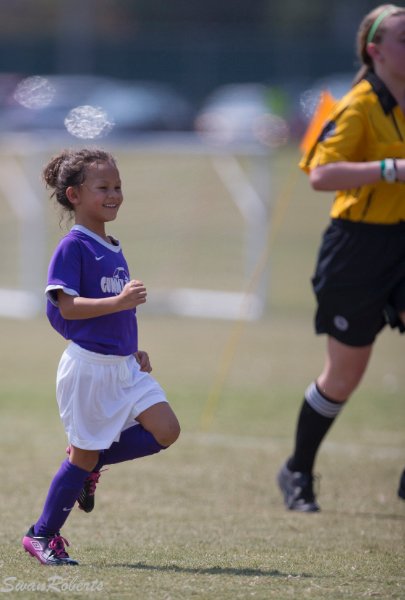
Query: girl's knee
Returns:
{"type": "Point", "coordinates": [85, 459]}
{"type": "Point", "coordinates": [167, 435]}
{"type": "Point", "coordinates": [161, 422]}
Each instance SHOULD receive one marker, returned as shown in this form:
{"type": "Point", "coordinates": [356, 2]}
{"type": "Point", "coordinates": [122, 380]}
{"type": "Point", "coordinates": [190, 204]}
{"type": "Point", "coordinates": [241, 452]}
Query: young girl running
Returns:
{"type": "Point", "coordinates": [111, 407]}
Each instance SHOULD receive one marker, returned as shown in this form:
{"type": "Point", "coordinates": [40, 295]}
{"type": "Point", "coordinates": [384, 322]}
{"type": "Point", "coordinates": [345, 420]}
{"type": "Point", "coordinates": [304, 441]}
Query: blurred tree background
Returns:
{"type": "Point", "coordinates": [196, 45]}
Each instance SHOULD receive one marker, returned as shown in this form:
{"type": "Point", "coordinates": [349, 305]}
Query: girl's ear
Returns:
{"type": "Point", "coordinates": [373, 51]}
{"type": "Point", "coordinates": [71, 194]}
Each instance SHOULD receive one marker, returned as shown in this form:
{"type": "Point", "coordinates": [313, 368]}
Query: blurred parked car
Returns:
{"type": "Point", "coordinates": [241, 113]}
{"type": "Point", "coordinates": [143, 106]}
{"type": "Point", "coordinates": [42, 103]}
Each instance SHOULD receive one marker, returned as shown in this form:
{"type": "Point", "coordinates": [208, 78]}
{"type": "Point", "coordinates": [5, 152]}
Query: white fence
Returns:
{"type": "Point", "coordinates": [248, 187]}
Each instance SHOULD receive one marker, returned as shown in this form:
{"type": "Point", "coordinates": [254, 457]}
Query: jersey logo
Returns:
{"type": "Point", "coordinates": [99, 257]}
{"type": "Point", "coordinates": [116, 283]}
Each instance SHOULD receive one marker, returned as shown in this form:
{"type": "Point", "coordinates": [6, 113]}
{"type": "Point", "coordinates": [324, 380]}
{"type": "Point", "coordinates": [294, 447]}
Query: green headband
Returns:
{"type": "Point", "coordinates": [385, 13]}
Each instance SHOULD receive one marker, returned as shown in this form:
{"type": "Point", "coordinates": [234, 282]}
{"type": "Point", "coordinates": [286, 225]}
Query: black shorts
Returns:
{"type": "Point", "coordinates": [359, 280]}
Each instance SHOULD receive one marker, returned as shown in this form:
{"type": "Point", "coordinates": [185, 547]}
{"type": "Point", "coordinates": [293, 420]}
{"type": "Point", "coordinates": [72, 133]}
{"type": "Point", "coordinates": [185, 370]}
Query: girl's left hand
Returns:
{"type": "Point", "coordinates": [142, 358]}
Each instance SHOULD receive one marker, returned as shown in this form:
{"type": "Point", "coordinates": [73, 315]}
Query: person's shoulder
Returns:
{"type": "Point", "coordinates": [359, 98]}
{"type": "Point", "coordinates": [363, 94]}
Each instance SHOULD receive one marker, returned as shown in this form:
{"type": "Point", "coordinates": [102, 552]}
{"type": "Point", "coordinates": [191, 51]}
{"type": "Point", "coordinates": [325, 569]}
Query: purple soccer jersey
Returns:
{"type": "Point", "coordinates": [83, 264]}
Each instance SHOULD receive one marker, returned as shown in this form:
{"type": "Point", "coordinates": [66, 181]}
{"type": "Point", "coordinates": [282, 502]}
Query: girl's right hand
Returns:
{"type": "Point", "coordinates": [132, 295]}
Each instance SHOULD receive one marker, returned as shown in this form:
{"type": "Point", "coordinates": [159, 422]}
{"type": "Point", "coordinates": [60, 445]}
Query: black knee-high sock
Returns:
{"type": "Point", "coordinates": [315, 419]}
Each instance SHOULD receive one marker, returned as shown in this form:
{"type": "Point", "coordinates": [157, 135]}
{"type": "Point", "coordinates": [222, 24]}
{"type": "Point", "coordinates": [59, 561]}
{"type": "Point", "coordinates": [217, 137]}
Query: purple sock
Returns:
{"type": "Point", "coordinates": [134, 442]}
{"type": "Point", "coordinates": [62, 495]}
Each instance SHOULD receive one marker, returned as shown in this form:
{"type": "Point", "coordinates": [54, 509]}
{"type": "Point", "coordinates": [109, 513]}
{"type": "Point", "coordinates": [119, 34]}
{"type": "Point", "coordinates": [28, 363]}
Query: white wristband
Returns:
{"type": "Point", "coordinates": [389, 170]}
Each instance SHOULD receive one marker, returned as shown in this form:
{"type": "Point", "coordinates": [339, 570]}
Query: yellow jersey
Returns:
{"type": "Point", "coordinates": [366, 125]}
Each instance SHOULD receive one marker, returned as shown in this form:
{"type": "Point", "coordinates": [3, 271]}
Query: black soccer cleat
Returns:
{"type": "Point", "coordinates": [48, 550]}
{"type": "Point", "coordinates": [297, 489]}
{"type": "Point", "coordinates": [86, 496]}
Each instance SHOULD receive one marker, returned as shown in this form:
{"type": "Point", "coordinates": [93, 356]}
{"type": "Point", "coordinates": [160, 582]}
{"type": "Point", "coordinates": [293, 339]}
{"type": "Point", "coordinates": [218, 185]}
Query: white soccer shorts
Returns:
{"type": "Point", "coordinates": [99, 396]}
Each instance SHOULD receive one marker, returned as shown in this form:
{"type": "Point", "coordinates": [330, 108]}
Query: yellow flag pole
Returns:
{"type": "Point", "coordinates": [234, 337]}
{"type": "Point", "coordinates": [325, 104]}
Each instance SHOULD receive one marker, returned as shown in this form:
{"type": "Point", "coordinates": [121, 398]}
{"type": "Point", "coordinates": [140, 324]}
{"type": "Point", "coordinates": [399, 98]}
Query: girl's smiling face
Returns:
{"type": "Point", "coordinates": [97, 200]}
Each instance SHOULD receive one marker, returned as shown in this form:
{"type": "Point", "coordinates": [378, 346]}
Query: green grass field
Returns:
{"type": "Point", "coordinates": [204, 520]}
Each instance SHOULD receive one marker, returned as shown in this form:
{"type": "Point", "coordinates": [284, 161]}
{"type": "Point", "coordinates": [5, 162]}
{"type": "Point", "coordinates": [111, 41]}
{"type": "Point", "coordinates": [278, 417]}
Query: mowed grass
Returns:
{"type": "Point", "coordinates": [204, 519]}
